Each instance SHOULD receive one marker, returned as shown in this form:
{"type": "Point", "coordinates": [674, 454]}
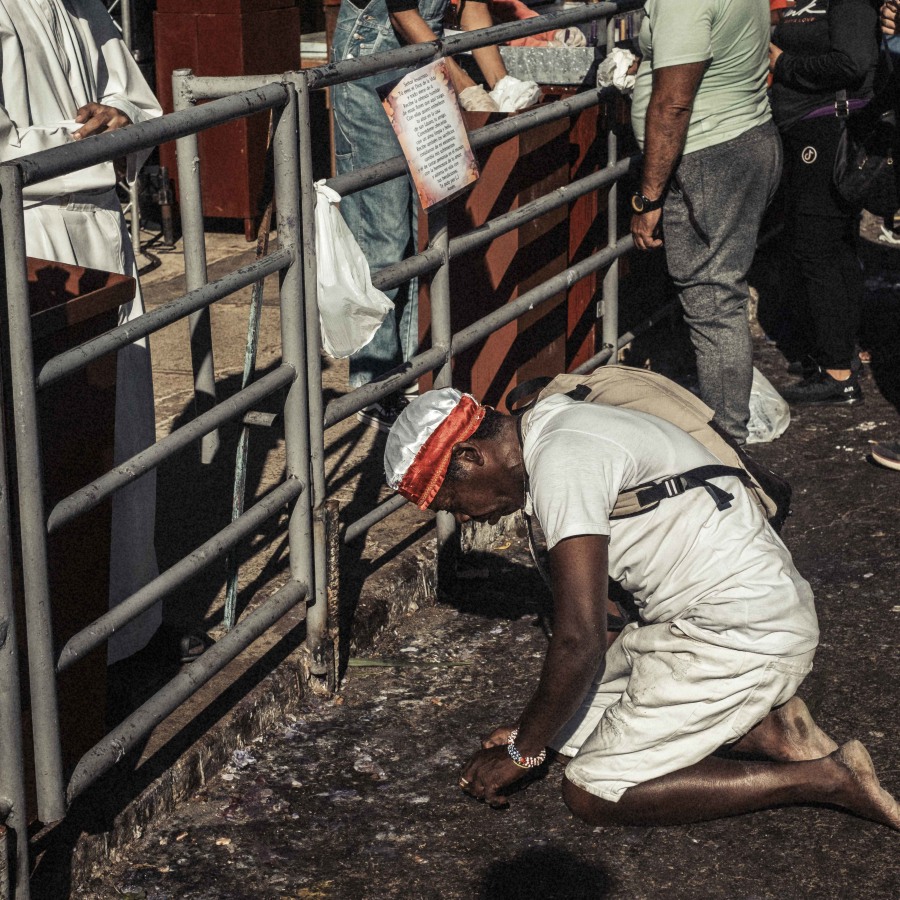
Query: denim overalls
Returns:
{"type": "Point", "coordinates": [382, 218]}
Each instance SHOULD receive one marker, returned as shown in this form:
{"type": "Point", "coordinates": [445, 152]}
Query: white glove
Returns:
{"type": "Point", "coordinates": [511, 94]}
{"type": "Point", "coordinates": [614, 70]}
{"type": "Point", "coordinates": [477, 99]}
{"type": "Point", "coordinates": [568, 37]}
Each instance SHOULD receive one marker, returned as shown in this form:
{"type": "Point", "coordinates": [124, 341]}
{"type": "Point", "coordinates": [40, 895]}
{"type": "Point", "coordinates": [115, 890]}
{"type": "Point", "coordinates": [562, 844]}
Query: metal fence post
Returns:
{"type": "Point", "coordinates": [610, 331]}
{"type": "Point", "coordinates": [191, 204]}
{"type": "Point", "coordinates": [317, 620]}
{"type": "Point", "coordinates": [441, 335]}
{"type": "Point", "coordinates": [293, 337]}
{"type": "Point", "coordinates": [41, 661]}
{"type": "Point", "coordinates": [13, 819]}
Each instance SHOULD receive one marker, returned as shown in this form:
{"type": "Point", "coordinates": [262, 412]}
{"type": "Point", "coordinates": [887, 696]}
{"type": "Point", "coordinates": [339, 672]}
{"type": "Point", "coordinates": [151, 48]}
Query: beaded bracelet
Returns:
{"type": "Point", "coordinates": [523, 762]}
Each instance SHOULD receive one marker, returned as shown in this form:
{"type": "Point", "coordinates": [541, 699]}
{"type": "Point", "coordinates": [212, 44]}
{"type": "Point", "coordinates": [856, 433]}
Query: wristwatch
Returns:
{"type": "Point", "coordinates": [641, 204]}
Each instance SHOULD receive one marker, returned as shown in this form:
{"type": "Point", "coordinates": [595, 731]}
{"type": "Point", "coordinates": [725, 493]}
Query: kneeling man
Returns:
{"type": "Point", "coordinates": [727, 632]}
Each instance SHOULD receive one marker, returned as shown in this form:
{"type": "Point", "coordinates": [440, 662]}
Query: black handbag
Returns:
{"type": "Point", "coordinates": [865, 169]}
{"type": "Point", "coordinates": [865, 173]}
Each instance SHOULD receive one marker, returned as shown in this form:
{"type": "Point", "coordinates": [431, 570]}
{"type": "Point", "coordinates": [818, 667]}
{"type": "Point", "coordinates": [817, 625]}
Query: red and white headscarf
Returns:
{"type": "Point", "coordinates": [420, 444]}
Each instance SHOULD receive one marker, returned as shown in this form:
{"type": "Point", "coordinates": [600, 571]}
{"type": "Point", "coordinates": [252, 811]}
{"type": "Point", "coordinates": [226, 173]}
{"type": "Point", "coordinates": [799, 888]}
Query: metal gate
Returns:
{"type": "Point", "coordinates": [306, 416]}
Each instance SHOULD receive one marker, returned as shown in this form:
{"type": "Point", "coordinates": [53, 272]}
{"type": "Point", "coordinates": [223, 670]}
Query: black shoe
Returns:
{"type": "Point", "coordinates": [887, 454]}
{"type": "Point", "coordinates": [822, 388]}
{"type": "Point", "coordinates": [382, 415]}
{"type": "Point", "coordinates": [805, 367]}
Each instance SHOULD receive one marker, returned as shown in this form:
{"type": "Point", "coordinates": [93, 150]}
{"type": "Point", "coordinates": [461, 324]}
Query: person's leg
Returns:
{"type": "Point", "coordinates": [833, 288]}
{"type": "Point", "coordinates": [787, 734]}
{"type": "Point", "coordinates": [710, 223]}
{"type": "Point", "coordinates": [821, 236]}
{"type": "Point", "coordinates": [716, 788]}
{"type": "Point", "coordinates": [381, 217]}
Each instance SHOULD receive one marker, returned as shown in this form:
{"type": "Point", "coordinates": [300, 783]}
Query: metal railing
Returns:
{"type": "Point", "coordinates": [306, 416]}
{"type": "Point", "coordinates": [436, 259]}
{"type": "Point", "coordinates": [54, 794]}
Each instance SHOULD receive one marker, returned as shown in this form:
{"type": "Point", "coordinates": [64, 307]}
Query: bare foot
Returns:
{"type": "Point", "coordinates": [862, 793]}
{"type": "Point", "coordinates": [787, 734]}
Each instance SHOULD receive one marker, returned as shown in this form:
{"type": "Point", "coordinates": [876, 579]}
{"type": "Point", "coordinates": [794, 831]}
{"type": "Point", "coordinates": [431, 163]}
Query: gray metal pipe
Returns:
{"type": "Point", "coordinates": [545, 291]}
{"type": "Point", "coordinates": [430, 259]}
{"type": "Point", "coordinates": [216, 87]}
{"type": "Point", "coordinates": [94, 493]}
{"type": "Point", "coordinates": [12, 783]}
{"type": "Point", "coordinates": [71, 360]}
{"type": "Point", "coordinates": [112, 144]}
{"type": "Point", "coordinates": [342, 407]}
{"type": "Point", "coordinates": [217, 546]}
{"type": "Point", "coordinates": [317, 614]}
{"type": "Point", "coordinates": [349, 70]}
{"type": "Point", "coordinates": [441, 336]}
{"type": "Point", "coordinates": [486, 136]}
{"type": "Point", "coordinates": [610, 326]}
{"type": "Point", "coordinates": [44, 710]}
{"type": "Point", "coordinates": [364, 523]}
{"type": "Point", "coordinates": [598, 358]}
{"type": "Point", "coordinates": [6, 865]}
{"type": "Point", "coordinates": [294, 347]}
{"type": "Point", "coordinates": [190, 195]}
{"type": "Point", "coordinates": [141, 722]}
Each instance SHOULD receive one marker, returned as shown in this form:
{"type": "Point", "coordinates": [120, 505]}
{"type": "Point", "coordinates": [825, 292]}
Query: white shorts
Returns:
{"type": "Point", "coordinates": [663, 701]}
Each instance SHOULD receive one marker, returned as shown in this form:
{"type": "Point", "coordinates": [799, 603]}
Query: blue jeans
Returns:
{"type": "Point", "coordinates": [383, 218]}
{"type": "Point", "coordinates": [722, 191]}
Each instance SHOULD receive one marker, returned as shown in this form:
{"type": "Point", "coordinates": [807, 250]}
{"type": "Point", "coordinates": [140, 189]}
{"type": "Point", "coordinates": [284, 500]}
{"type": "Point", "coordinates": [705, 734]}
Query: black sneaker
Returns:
{"type": "Point", "coordinates": [887, 454]}
{"type": "Point", "coordinates": [822, 388]}
{"type": "Point", "coordinates": [382, 415]}
{"type": "Point", "coordinates": [805, 368]}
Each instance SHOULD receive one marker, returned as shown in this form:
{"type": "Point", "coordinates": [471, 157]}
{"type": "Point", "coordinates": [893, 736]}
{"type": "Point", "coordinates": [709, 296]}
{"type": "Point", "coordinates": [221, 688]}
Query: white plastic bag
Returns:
{"type": "Point", "coordinates": [770, 414]}
{"type": "Point", "coordinates": [351, 310]}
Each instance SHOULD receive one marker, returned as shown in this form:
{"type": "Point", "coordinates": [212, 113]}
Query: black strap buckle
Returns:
{"type": "Point", "coordinates": [841, 105]}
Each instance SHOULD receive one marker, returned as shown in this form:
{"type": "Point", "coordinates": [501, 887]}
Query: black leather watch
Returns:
{"type": "Point", "coordinates": [641, 204]}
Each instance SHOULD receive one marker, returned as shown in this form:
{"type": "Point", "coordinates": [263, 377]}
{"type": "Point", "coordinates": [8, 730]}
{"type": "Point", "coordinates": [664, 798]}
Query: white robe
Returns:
{"type": "Point", "coordinates": [55, 57]}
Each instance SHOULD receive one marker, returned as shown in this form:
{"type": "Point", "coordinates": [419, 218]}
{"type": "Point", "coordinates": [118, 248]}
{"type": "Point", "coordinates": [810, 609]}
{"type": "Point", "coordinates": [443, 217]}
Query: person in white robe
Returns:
{"type": "Point", "coordinates": [66, 75]}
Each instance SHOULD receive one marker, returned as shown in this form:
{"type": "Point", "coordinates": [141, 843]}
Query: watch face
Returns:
{"type": "Point", "coordinates": [637, 203]}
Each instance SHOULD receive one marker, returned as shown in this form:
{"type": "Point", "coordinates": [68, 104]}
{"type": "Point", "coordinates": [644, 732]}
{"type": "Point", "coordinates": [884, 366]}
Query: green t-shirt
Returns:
{"type": "Point", "coordinates": [734, 36]}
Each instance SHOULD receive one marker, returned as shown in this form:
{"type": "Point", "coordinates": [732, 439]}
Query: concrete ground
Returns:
{"type": "Point", "coordinates": [356, 797]}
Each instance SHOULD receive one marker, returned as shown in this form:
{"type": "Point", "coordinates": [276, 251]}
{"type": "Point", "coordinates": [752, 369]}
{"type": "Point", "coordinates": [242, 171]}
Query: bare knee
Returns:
{"type": "Point", "coordinates": [586, 806]}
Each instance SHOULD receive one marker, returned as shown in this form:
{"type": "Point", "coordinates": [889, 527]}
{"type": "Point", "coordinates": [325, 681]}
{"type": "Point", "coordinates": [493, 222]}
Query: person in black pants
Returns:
{"type": "Point", "coordinates": [823, 58]}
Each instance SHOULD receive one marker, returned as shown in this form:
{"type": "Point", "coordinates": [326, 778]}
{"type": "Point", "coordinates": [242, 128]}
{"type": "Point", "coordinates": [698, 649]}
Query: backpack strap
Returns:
{"type": "Point", "coordinates": [646, 497]}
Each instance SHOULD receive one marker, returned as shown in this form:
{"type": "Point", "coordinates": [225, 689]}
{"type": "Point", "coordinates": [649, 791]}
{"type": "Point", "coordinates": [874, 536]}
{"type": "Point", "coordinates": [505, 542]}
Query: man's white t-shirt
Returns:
{"type": "Point", "coordinates": [725, 576]}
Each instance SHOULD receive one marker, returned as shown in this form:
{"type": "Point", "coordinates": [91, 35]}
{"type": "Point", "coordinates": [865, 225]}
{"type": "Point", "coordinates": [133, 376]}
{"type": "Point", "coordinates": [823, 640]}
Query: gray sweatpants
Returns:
{"type": "Point", "coordinates": [711, 222]}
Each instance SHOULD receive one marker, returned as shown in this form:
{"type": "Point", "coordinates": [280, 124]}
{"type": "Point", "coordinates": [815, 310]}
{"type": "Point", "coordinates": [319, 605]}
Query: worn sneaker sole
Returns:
{"type": "Point", "coordinates": [887, 455]}
{"type": "Point", "coordinates": [833, 401]}
{"type": "Point", "coordinates": [373, 420]}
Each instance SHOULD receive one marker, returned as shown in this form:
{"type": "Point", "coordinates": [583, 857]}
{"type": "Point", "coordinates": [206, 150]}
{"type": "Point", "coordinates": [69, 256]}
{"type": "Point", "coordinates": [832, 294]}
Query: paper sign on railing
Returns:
{"type": "Point", "coordinates": [426, 118]}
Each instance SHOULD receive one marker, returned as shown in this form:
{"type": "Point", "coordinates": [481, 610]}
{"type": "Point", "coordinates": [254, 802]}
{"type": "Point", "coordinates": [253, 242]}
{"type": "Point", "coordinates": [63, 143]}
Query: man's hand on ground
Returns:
{"type": "Point", "coordinates": [95, 118]}
{"type": "Point", "coordinates": [498, 737]}
{"type": "Point", "coordinates": [644, 230]}
{"type": "Point", "coordinates": [487, 773]}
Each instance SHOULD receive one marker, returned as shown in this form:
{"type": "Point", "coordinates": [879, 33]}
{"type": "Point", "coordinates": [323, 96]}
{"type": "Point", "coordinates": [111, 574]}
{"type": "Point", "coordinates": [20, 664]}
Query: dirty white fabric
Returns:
{"type": "Point", "coordinates": [58, 55]}
{"type": "Point", "coordinates": [418, 421]}
{"type": "Point", "coordinates": [663, 701]}
{"type": "Point", "coordinates": [725, 577]}
{"type": "Point", "coordinates": [512, 94]}
{"type": "Point", "coordinates": [614, 70]}
{"type": "Point", "coordinates": [477, 99]}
